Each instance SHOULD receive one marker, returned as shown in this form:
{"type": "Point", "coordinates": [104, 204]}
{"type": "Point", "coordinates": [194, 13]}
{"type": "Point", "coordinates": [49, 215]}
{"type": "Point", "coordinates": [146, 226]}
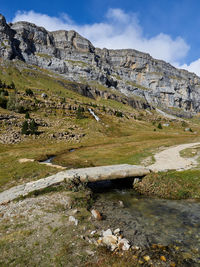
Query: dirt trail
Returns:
{"type": "Point", "coordinates": [170, 159]}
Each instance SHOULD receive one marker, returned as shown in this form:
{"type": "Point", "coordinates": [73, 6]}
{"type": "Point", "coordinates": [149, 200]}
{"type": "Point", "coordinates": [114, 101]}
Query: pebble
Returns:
{"type": "Point", "coordinates": [96, 214]}
{"type": "Point", "coordinates": [124, 244]}
{"type": "Point", "coordinates": [121, 204]}
{"type": "Point", "coordinates": [163, 258]}
{"type": "Point", "coordinates": [93, 232]}
{"type": "Point", "coordinates": [146, 258]}
{"type": "Point", "coordinates": [116, 231]}
{"type": "Point", "coordinates": [107, 232]}
{"type": "Point", "coordinates": [73, 220]}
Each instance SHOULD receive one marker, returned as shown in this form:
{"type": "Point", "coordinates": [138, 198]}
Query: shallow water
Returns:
{"type": "Point", "coordinates": [147, 221]}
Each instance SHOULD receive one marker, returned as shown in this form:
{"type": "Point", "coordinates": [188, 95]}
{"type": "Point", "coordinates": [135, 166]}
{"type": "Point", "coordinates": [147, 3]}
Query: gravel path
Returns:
{"type": "Point", "coordinates": [170, 159]}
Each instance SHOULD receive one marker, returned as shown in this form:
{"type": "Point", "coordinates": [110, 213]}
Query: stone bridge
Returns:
{"type": "Point", "coordinates": [92, 174]}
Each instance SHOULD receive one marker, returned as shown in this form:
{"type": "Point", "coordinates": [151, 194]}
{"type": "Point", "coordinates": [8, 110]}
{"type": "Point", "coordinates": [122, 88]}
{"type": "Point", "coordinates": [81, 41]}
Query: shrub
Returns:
{"type": "Point", "coordinates": [12, 102]}
{"type": "Point", "coordinates": [11, 86]}
{"type": "Point", "coordinates": [184, 124]}
{"type": "Point", "coordinates": [20, 109]}
{"type": "Point", "coordinates": [159, 126]}
{"type": "Point", "coordinates": [29, 92]}
{"type": "Point", "coordinates": [118, 114]}
{"type": "Point", "coordinates": [3, 102]}
{"type": "Point", "coordinates": [4, 92]}
{"type": "Point", "coordinates": [29, 127]}
{"type": "Point", "coordinates": [79, 113]}
{"type": "Point", "coordinates": [33, 127]}
{"type": "Point", "coordinates": [27, 116]}
{"type": "Point", "coordinates": [24, 129]}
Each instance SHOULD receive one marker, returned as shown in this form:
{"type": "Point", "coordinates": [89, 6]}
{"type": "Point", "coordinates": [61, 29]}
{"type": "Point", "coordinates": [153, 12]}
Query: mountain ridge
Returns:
{"type": "Point", "coordinates": [129, 71]}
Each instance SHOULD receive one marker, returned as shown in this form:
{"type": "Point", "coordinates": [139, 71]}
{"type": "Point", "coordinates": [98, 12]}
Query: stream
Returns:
{"type": "Point", "coordinates": [146, 221]}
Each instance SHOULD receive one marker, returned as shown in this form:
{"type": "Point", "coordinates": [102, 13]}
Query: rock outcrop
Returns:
{"type": "Point", "coordinates": [133, 73]}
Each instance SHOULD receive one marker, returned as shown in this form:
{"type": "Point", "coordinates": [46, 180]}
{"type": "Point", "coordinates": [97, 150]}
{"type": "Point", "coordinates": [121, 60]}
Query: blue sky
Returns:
{"type": "Point", "coordinates": [167, 29]}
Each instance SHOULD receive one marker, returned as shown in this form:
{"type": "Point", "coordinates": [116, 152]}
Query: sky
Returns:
{"type": "Point", "coordinates": [166, 29]}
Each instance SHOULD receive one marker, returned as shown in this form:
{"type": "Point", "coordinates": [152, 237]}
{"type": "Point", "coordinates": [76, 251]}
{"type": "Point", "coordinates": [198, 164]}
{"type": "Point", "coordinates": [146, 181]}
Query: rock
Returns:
{"type": "Point", "coordinates": [163, 258]}
{"type": "Point", "coordinates": [43, 95]}
{"type": "Point", "coordinates": [135, 247]}
{"type": "Point", "coordinates": [96, 214]}
{"type": "Point", "coordinates": [146, 258]}
{"type": "Point", "coordinates": [93, 232]}
{"type": "Point", "coordinates": [124, 244]}
{"type": "Point", "coordinates": [110, 241]}
{"type": "Point", "coordinates": [136, 180]}
{"type": "Point", "coordinates": [75, 211]}
{"type": "Point", "coordinates": [121, 204]}
{"type": "Point", "coordinates": [116, 231]}
{"type": "Point", "coordinates": [26, 160]}
{"type": "Point", "coordinates": [107, 232]}
{"type": "Point", "coordinates": [72, 219]}
{"type": "Point", "coordinates": [187, 129]}
{"type": "Point", "coordinates": [148, 82]}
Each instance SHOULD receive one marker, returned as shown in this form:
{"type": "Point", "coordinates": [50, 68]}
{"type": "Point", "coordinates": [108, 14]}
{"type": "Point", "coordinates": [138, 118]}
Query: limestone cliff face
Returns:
{"type": "Point", "coordinates": [131, 72]}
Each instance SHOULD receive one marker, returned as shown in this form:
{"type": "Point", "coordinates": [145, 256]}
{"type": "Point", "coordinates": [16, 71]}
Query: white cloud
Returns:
{"type": "Point", "coordinates": [192, 67]}
{"type": "Point", "coordinates": [117, 31]}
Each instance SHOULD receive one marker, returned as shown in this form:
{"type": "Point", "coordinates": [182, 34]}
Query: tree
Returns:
{"type": "Point", "coordinates": [79, 113]}
{"type": "Point", "coordinates": [29, 92]}
{"type": "Point", "coordinates": [159, 126]}
{"type": "Point", "coordinates": [3, 102]}
{"type": "Point", "coordinates": [33, 127]}
{"type": "Point", "coordinates": [27, 116]}
{"type": "Point", "coordinates": [12, 85]}
{"type": "Point", "coordinates": [25, 127]}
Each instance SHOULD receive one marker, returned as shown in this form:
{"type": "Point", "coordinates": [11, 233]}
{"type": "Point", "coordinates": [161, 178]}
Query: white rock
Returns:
{"type": "Point", "coordinates": [107, 232]}
{"type": "Point", "coordinates": [121, 204]}
{"type": "Point", "coordinates": [73, 220]}
{"type": "Point", "coordinates": [93, 232]}
{"type": "Point", "coordinates": [124, 244]}
{"type": "Point", "coordinates": [110, 240]}
{"type": "Point", "coordinates": [135, 247]}
{"type": "Point", "coordinates": [74, 211]}
{"type": "Point", "coordinates": [96, 214]}
{"type": "Point", "coordinates": [117, 231]}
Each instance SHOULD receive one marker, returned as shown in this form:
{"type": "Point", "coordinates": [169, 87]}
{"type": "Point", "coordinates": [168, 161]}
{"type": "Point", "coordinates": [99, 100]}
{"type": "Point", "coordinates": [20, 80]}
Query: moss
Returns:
{"type": "Point", "coordinates": [43, 55]}
{"type": "Point", "coordinates": [78, 62]}
{"type": "Point", "coordinates": [137, 85]}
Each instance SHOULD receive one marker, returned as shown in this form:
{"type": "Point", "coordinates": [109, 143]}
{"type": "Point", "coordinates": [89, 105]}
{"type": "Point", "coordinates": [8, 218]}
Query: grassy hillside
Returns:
{"type": "Point", "coordinates": [123, 134]}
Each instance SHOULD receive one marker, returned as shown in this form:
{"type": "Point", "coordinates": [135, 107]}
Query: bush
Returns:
{"type": "Point", "coordinates": [118, 114]}
{"type": "Point", "coordinates": [33, 127]}
{"type": "Point", "coordinates": [29, 127]}
{"type": "Point", "coordinates": [159, 126]}
{"type": "Point", "coordinates": [4, 92]}
{"type": "Point", "coordinates": [11, 86]}
{"type": "Point", "coordinates": [27, 116]}
{"type": "Point", "coordinates": [12, 102]}
{"type": "Point", "coordinates": [24, 129]}
{"type": "Point", "coordinates": [20, 109]}
{"type": "Point", "coordinates": [29, 92]}
{"type": "Point", "coordinates": [79, 113]}
{"type": "Point", "coordinates": [3, 102]}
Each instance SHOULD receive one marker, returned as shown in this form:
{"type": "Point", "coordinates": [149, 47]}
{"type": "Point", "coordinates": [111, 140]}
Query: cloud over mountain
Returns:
{"type": "Point", "coordinates": [118, 30]}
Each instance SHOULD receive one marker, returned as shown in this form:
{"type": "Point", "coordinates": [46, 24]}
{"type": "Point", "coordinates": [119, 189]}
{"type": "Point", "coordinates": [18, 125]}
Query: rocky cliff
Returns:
{"type": "Point", "coordinates": [129, 71]}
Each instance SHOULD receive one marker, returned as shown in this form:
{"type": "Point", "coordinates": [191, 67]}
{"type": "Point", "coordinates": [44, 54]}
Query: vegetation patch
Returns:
{"type": "Point", "coordinates": [171, 184]}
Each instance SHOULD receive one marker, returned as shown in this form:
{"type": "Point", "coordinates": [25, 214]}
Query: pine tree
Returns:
{"type": "Point", "coordinates": [33, 127]}
{"type": "Point", "coordinates": [24, 128]}
{"type": "Point", "coordinates": [27, 116]}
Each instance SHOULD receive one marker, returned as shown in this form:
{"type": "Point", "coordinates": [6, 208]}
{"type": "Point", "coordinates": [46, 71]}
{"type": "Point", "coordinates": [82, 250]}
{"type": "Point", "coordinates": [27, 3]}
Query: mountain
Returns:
{"type": "Point", "coordinates": [136, 75]}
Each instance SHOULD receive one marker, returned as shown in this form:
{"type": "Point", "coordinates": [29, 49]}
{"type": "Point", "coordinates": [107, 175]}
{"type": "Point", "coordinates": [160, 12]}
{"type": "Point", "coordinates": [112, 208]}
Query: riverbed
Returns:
{"type": "Point", "coordinates": [146, 221]}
